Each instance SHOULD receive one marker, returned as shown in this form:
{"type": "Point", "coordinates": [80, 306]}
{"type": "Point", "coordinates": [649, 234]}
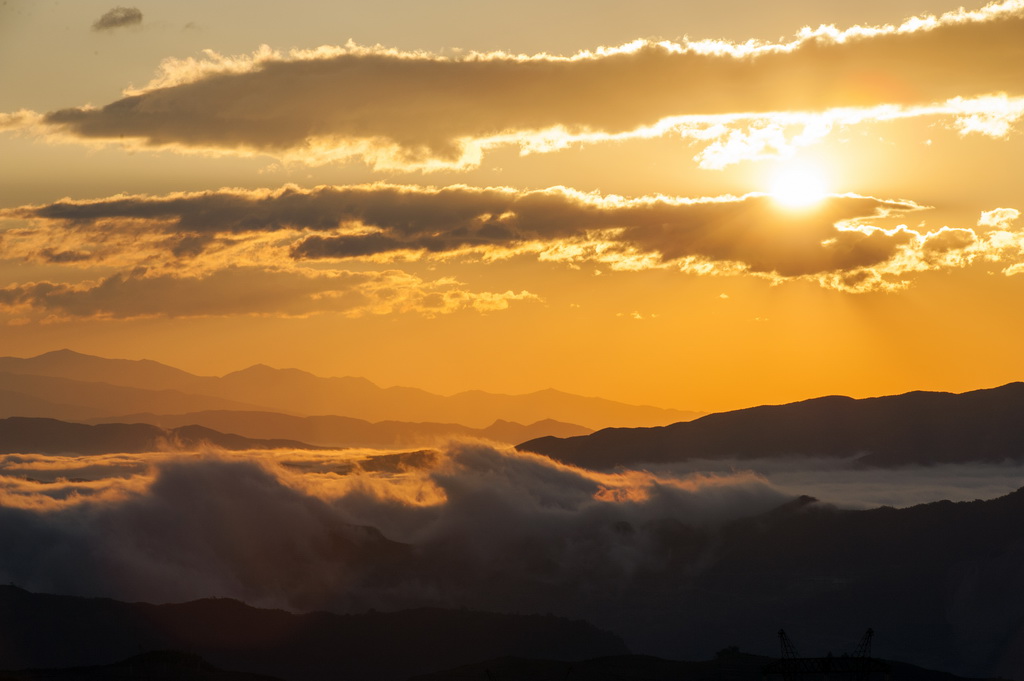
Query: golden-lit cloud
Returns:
{"type": "Point", "coordinates": [753, 233]}
{"type": "Point", "coordinates": [255, 247]}
{"type": "Point", "coordinates": [395, 109]}
{"type": "Point", "coordinates": [255, 527]}
{"type": "Point", "coordinates": [250, 290]}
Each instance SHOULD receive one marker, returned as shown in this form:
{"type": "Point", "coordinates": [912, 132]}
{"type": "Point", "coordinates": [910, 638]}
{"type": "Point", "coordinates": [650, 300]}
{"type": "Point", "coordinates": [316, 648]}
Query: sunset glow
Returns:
{"type": "Point", "coordinates": [799, 186]}
{"type": "Point", "coordinates": [444, 340]}
{"type": "Point", "coordinates": [416, 201]}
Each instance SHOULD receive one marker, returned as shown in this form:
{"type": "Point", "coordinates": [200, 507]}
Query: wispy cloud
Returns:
{"type": "Point", "coordinates": [247, 291]}
{"type": "Point", "coordinates": [118, 17]}
{"type": "Point", "coordinates": [396, 109]}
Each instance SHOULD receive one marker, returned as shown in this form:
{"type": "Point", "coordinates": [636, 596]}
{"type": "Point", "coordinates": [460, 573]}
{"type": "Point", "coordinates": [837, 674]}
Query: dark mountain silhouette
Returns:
{"type": "Point", "coordinates": [172, 665]}
{"type": "Point", "coordinates": [940, 583]}
{"type": "Point", "coordinates": [341, 431]}
{"type": "Point", "coordinates": [728, 665]}
{"type": "Point", "coordinates": [914, 428]}
{"type": "Point", "coordinates": [60, 631]}
{"type": "Point", "coordinates": [740, 668]}
{"type": "Point", "coordinates": [50, 436]}
{"type": "Point", "coordinates": [291, 391]}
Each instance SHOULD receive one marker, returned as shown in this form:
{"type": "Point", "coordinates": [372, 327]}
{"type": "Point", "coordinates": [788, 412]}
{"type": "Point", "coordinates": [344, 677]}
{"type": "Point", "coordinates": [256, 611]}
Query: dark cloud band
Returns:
{"type": "Point", "coordinates": [425, 107]}
{"type": "Point", "coordinates": [374, 220]}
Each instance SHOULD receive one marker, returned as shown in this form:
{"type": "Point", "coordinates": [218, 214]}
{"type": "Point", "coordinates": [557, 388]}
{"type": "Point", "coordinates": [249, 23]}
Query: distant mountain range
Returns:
{"type": "Point", "coordinates": [914, 428]}
{"type": "Point", "coordinates": [137, 433]}
{"type": "Point", "coordinates": [40, 630]}
{"type": "Point", "coordinates": [337, 431]}
{"type": "Point", "coordinates": [72, 386]}
{"type": "Point", "coordinates": [50, 436]}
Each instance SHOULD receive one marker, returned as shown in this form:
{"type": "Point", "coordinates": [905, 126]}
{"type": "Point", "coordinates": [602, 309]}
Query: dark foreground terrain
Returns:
{"type": "Point", "coordinates": [42, 631]}
{"type": "Point", "coordinates": [924, 428]}
{"type": "Point", "coordinates": [729, 665]}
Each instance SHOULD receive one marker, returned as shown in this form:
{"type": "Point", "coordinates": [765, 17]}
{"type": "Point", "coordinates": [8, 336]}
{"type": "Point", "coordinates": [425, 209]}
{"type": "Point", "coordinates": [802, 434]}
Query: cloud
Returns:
{"type": "Point", "coordinates": [118, 17]}
{"type": "Point", "coordinates": [847, 242]}
{"type": "Point", "coordinates": [195, 525]}
{"type": "Point", "coordinates": [751, 232]}
{"type": "Point", "coordinates": [848, 484]}
{"type": "Point", "coordinates": [250, 291]}
{"type": "Point", "coordinates": [469, 524]}
{"type": "Point", "coordinates": [399, 109]}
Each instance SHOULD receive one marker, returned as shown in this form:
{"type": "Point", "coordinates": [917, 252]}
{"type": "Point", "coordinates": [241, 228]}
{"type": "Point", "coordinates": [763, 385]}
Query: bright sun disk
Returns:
{"type": "Point", "coordinates": [799, 186]}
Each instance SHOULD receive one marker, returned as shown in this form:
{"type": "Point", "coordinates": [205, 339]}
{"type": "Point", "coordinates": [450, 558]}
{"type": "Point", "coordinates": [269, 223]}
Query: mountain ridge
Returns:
{"type": "Point", "coordinates": [342, 431]}
{"type": "Point", "coordinates": [297, 392]}
{"type": "Point", "coordinates": [49, 436]}
{"type": "Point", "coordinates": [918, 427]}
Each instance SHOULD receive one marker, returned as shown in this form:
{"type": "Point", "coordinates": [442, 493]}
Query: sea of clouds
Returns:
{"type": "Point", "coordinates": [469, 524]}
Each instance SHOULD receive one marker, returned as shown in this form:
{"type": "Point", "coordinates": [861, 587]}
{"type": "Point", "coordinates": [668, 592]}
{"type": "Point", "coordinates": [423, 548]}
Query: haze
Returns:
{"type": "Point", "coordinates": [486, 198]}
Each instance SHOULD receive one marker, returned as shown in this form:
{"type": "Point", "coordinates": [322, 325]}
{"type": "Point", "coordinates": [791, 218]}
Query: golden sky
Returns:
{"type": "Point", "coordinates": [696, 207]}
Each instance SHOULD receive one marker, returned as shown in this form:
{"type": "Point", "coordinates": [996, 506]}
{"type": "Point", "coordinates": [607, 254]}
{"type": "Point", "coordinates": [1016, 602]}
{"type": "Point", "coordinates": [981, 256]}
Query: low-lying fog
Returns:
{"type": "Point", "coordinates": [468, 525]}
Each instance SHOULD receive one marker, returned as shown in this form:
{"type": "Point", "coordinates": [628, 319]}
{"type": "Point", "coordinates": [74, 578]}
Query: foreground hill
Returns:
{"type": "Point", "coordinates": [50, 436]}
{"type": "Point", "coordinates": [914, 428]}
{"type": "Point", "coordinates": [342, 431]}
{"type": "Point", "coordinates": [938, 582]}
{"type": "Point", "coordinates": [39, 630]}
{"type": "Point", "coordinates": [729, 664]}
{"type": "Point", "coordinates": [152, 666]}
{"type": "Point", "coordinates": [291, 391]}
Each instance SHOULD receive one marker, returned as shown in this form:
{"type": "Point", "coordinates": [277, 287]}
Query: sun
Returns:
{"type": "Point", "coordinates": [799, 186]}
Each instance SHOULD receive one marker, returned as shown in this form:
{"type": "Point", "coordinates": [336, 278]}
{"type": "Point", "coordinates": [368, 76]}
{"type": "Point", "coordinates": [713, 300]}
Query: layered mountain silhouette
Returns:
{"type": "Point", "coordinates": [40, 630]}
{"type": "Point", "coordinates": [342, 431]}
{"type": "Point", "coordinates": [76, 386]}
{"type": "Point", "coordinates": [57, 397]}
{"type": "Point", "coordinates": [913, 428]}
{"type": "Point", "coordinates": [50, 436]}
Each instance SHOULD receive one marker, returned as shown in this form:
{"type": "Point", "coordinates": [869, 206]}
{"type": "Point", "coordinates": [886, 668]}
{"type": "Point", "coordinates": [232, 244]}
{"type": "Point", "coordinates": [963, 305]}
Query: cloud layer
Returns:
{"type": "Point", "coordinates": [299, 251]}
{"type": "Point", "coordinates": [182, 526]}
{"type": "Point", "coordinates": [399, 109]}
{"type": "Point", "coordinates": [468, 525]}
{"type": "Point", "coordinates": [251, 290]}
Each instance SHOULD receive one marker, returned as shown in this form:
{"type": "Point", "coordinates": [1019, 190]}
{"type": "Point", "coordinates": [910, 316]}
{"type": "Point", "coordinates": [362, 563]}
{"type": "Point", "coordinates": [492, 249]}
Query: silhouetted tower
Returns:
{"type": "Point", "coordinates": [787, 647]}
{"type": "Point", "coordinates": [864, 647]}
{"type": "Point", "coordinates": [857, 667]}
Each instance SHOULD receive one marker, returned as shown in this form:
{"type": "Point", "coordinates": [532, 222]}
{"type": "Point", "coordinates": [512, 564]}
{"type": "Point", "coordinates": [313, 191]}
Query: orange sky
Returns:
{"type": "Point", "coordinates": [570, 195]}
